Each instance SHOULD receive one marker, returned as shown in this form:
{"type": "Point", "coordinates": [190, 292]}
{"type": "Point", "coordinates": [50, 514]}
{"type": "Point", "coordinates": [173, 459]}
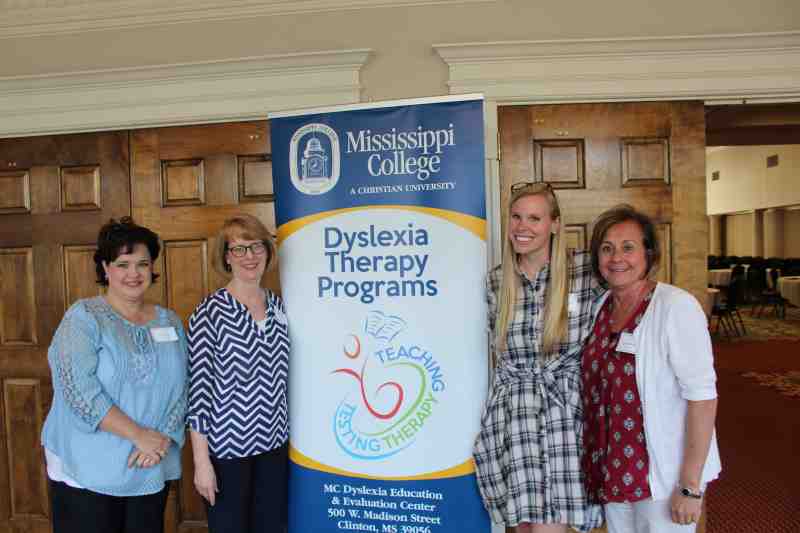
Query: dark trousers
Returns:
{"type": "Point", "coordinates": [252, 494]}
{"type": "Point", "coordinates": [84, 511]}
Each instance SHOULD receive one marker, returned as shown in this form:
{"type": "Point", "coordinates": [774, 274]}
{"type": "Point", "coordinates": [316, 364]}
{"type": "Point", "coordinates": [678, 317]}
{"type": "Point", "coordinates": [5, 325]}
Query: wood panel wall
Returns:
{"type": "Point", "coordinates": [650, 155]}
{"type": "Point", "coordinates": [55, 194]}
{"type": "Point", "coordinates": [183, 182]}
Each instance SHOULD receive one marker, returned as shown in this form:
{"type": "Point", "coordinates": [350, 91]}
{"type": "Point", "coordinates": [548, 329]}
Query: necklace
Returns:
{"type": "Point", "coordinates": [623, 312]}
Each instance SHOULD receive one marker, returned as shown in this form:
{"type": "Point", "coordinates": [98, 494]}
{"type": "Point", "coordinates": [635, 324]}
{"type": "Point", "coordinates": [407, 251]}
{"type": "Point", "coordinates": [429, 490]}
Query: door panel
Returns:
{"type": "Point", "coordinates": [650, 155]}
{"type": "Point", "coordinates": [62, 189]}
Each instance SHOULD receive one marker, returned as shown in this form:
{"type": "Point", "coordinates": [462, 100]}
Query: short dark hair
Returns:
{"type": "Point", "coordinates": [618, 215]}
{"type": "Point", "coordinates": [119, 237]}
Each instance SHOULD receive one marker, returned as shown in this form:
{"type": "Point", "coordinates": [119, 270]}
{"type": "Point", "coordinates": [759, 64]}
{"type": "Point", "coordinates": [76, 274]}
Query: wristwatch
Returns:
{"type": "Point", "coordinates": [689, 493]}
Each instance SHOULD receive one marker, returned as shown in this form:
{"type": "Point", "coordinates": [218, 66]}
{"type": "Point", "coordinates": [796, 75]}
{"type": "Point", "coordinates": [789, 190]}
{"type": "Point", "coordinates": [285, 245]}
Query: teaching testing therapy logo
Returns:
{"type": "Point", "coordinates": [394, 392]}
{"type": "Point", "coordinates": [314, 159]}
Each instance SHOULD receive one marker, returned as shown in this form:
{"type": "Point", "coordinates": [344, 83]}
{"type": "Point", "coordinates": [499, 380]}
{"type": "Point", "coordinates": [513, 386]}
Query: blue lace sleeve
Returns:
{"type": "Point", "coordinates": [175, 422]}
{"type": "Point", "coordinates": [73, 357]}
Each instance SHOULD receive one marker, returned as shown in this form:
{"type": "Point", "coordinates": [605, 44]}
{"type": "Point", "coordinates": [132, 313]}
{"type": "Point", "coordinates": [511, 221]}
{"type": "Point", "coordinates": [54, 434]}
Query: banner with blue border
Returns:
{"type": "Point", "coordinates": [382, 244]}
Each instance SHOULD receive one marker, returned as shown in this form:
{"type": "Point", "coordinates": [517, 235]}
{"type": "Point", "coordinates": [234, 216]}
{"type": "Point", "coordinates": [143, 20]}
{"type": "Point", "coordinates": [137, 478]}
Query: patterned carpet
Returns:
{"type": "Point", "coordinates": [787, 383]}
{"type": "Point", "coordinates": [758, 428]}
{"type": "Point", "coordinates": [765, 328]}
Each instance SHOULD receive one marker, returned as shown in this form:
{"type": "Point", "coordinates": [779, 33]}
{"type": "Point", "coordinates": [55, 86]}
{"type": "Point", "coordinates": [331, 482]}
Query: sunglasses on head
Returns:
{"type": "Point", "coordinates": [521, 185]}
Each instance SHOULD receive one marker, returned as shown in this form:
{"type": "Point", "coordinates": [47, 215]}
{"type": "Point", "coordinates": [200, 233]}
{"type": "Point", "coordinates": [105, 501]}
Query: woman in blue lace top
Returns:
{"type": "Point", "coordinates": [114, 433]}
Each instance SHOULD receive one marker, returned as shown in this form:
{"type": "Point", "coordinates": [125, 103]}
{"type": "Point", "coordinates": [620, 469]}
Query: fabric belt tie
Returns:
{"type": "Point", "coordinates": [543, 378]}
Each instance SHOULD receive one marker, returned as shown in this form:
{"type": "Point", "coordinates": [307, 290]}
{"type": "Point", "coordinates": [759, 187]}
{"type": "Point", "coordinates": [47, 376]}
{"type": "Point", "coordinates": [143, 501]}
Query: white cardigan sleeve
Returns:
{"type": "Point", "coordinates": [689, 349]}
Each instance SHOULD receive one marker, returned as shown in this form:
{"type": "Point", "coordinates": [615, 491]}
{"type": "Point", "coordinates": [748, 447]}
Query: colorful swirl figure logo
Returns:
{"type": "Point", "coordinates": [394, 389]}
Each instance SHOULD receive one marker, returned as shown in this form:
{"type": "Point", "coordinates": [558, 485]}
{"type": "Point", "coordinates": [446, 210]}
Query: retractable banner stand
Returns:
{"type": "Point", "coordinates": [382, 241]}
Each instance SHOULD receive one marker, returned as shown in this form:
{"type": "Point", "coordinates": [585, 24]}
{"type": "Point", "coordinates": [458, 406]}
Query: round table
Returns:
{"type": "Point", "coordinates": [719, 277]}
{"type": "Point", "coordinates": [789, 287]}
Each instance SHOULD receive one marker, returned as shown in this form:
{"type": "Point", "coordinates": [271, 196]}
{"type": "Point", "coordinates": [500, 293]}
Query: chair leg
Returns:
{"type": "Point", "coordinates": [724, 319]}
{"type": "Point", "coordinates": [732, 322]}
{"type": "Point", "coordinates": [720, 324]}
{"type": "Point", "coordinates": [741, 322]}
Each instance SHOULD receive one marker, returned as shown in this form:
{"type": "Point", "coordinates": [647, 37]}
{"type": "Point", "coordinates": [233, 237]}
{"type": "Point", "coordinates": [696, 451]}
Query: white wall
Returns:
{"type": "Point", "coordinates": [739, 234]}
{"type": "Point", "coordinates": [745, 181]}
{"type": "Point", "coordinates": [791, 233]}
{"type": "Point", "coordinates": [403, 63]}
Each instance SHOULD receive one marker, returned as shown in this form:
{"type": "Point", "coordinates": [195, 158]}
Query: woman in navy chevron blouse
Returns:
{"type": "Point", "coordinates": [238, 362]}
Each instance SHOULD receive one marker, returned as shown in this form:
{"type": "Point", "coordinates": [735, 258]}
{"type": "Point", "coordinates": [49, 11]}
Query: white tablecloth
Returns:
{"type": "Point", "coordinates": [719, 277]}
{"type": "Point", "coordinates": [789, 287]}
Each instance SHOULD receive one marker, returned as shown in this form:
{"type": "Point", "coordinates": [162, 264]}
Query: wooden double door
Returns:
{"type": "Point", "coordinates": [55, 194]}
{"type": "Point", "coordinates": [182, 182]}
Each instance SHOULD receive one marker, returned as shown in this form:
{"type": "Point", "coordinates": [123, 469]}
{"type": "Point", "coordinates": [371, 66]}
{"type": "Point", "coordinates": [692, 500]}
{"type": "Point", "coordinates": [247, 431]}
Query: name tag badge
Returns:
{"type": "Point", "coordinates": [167, 334]}
{"type": "Point", "coordinates": [627, 343]}
{"type": "Point", "coordinates": [573, 303]}
{"type": "Point", "coordinates": [280, 316]}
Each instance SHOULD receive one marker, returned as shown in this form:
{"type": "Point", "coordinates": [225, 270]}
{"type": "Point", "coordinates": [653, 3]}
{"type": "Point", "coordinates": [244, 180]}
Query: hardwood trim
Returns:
{"type": "Point", "coordinates": [628, 144]}
{"type": "Point", "coordinates": [85, 171]}
{"type": "Point", "coordinates": [540, 146]}
{"type": "Point", "coordinates": [24, 206]}
{"type": "Point", "coordinates": [25, 509]}
{"type": "Point", "coordinates": [171, 199]}
{"type": "Point", "coordinates": [242, 162]}
{"type": "Point", "coordinates": [25, 294]}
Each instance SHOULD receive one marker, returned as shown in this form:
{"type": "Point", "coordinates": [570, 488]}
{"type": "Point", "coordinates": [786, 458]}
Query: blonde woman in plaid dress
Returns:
{"type": "Point", "coordinates": [528, 452]}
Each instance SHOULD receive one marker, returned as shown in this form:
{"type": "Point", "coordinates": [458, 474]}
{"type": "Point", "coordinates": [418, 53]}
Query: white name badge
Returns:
{"type": "Point", "coordinates": [574, 304]}
{"type": "Point", "coordinates": [626, 343]}
{"type": "Point", "coordinates": [167, 334]}
{"type": "Point", "coordinates": [280, 316]}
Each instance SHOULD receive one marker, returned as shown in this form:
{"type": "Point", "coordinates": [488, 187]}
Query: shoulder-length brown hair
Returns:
{"type": "Point", "coordinates": [617, 215]}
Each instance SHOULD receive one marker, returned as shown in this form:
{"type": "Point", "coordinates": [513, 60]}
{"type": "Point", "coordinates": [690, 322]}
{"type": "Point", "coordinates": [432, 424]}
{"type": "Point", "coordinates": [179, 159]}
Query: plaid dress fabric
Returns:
{"type": "Point", "coordinates": [528, 451]}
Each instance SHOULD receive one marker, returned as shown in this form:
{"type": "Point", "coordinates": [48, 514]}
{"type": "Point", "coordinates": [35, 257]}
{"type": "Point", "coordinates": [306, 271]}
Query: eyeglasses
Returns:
{"type": "Point", "coordinates": [257, 248]}
{"type": "Point", "coordinates": [542, 185]}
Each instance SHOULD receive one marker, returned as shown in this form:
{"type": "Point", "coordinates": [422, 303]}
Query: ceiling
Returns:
{"type": "Point", "coordinates": [753, 124]}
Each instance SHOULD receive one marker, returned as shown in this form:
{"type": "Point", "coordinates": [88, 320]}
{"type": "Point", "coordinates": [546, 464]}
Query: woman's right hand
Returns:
{"type": "Point", "coordinates": [205, 481]}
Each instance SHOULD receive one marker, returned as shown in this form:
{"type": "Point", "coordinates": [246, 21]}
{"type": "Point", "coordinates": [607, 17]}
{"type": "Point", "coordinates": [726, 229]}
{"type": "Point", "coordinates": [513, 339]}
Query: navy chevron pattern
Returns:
{"type": "Point", "coordinates": [237, 376]}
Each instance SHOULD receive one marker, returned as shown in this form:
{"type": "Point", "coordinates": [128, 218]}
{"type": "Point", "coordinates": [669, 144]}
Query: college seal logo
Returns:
{"type": "Point", "coordinates": [314, 159]}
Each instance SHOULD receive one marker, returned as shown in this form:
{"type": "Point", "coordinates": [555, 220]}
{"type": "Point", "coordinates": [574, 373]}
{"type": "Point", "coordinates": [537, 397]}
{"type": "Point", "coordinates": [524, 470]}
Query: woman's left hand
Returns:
{"type": "Point", "coordinates": [140, 459]}
{"type": "Point", "coordinates": [685, 510]}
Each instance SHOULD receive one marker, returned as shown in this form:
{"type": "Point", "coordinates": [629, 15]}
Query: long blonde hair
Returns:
{"type": "Point", "coordinates": [557, 290]}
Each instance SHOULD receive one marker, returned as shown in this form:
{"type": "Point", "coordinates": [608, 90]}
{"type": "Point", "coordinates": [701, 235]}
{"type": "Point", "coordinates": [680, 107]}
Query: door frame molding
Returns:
{"type": "Point", "coordinates": [229, 90]}
{"type": "Point", "coordinates": [718, 69]}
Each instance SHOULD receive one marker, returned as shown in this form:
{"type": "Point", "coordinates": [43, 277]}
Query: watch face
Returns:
{"type": "Point", "coordinates": [689, 494]}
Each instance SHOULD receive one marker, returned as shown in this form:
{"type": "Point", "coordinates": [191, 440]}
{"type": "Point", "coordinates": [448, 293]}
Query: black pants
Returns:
{"type": "Point", "coordinates": [84, 511]}
{"type": "Point", "coordinates": [252, 494]}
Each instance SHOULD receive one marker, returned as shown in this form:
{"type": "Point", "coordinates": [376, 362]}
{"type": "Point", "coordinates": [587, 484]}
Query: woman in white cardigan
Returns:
{"type": "Point", "coordinates": [649, 387]}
